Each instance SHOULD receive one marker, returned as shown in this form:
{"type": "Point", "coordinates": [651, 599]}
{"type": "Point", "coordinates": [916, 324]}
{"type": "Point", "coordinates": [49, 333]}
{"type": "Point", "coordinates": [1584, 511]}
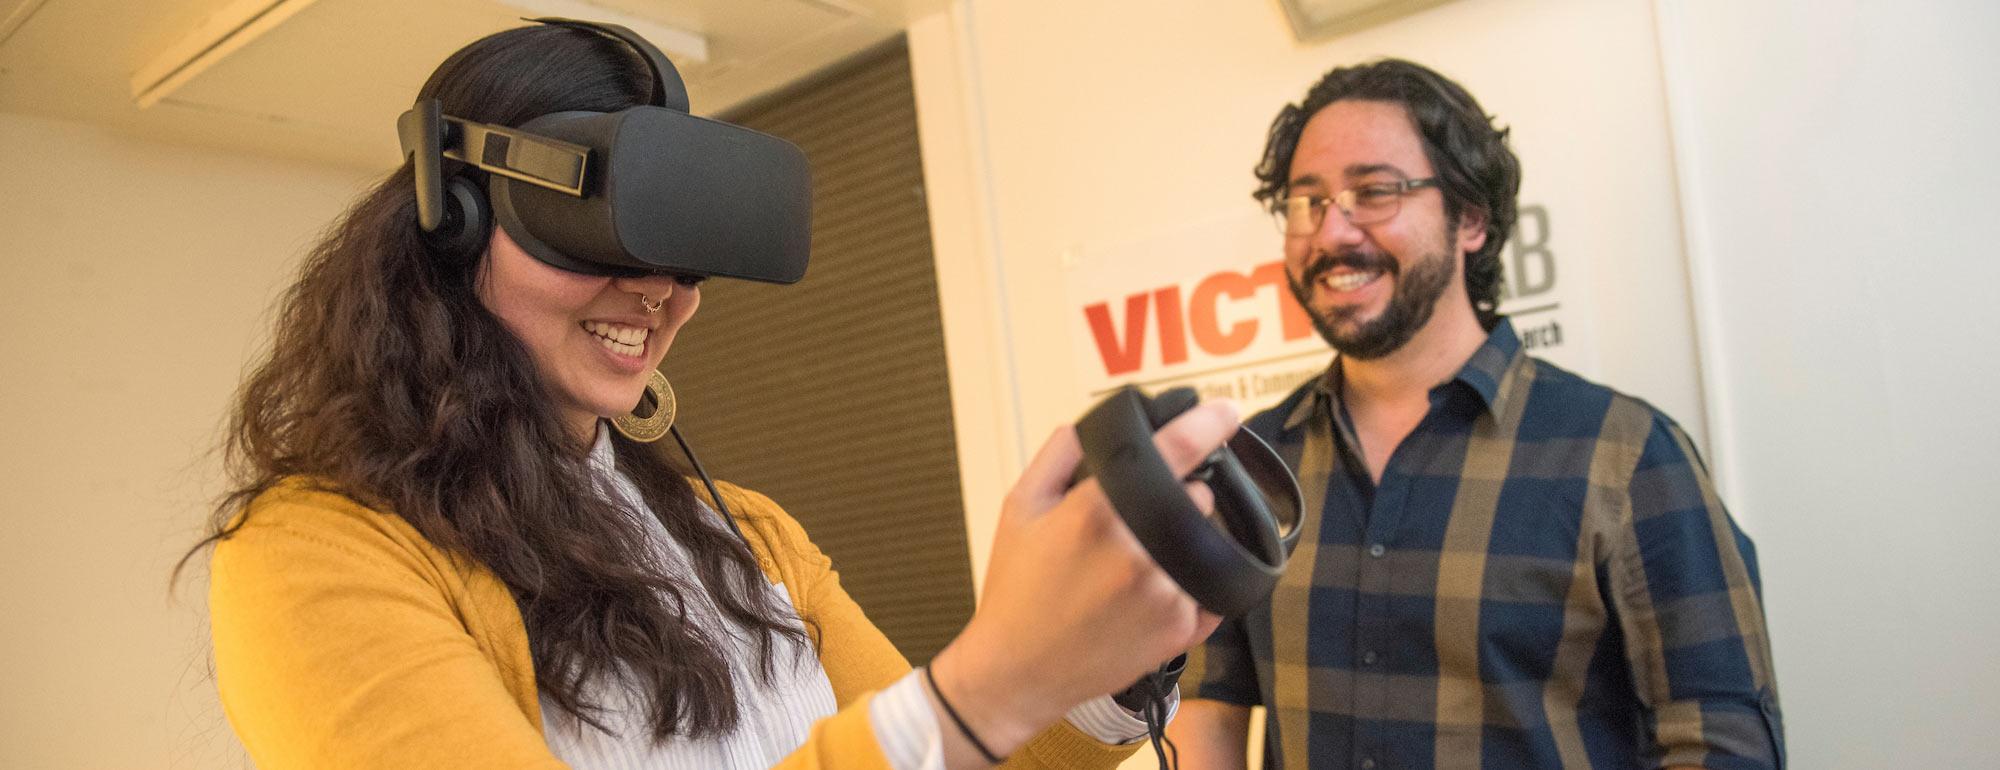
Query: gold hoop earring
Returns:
{"type": "Point", "coordinates": [650, 428]}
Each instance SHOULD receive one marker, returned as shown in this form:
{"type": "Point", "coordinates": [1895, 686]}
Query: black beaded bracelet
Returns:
{"type": "Point", "coordinates": [963, 729]}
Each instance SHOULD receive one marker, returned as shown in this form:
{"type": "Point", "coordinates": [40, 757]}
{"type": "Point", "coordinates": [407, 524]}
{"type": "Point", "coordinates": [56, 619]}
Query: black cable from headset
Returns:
{"type": "Point", "coordinates": [1155, 716]}
{"type": "Point", "coordinates": [713, 493]}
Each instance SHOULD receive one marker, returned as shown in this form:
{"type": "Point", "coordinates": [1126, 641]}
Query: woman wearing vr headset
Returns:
{"type": "Point", "coordinates": [442, 552]}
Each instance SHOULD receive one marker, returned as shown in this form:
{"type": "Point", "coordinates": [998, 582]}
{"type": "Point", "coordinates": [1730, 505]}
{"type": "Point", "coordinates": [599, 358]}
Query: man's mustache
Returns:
{"type": "Point", "coordinates": [1353, 260]}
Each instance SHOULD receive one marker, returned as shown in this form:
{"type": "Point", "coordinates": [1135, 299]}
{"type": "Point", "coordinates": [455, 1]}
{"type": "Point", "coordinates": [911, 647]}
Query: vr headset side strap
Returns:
{"type": "Point", "coordinates": [420, 129]}
{"type": "Point", "coordinates": [537, 160]}
{"type": "Point", "coordinates": [429, 136]}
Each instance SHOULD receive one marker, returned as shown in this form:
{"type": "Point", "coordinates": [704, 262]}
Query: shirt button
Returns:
{"type": "Point", "coordinates": [1377, 550]}
{"type": "Point", "coordinates": [1367, 763]}
{"type": "Point", "coordinates": [1368, 658]}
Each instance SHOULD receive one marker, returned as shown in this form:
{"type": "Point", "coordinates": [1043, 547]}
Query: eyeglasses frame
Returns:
{"type": "Point", "coordinates": [1319, 203]}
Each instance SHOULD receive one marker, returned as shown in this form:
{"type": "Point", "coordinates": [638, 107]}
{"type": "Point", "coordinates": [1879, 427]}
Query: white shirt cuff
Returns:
{"type": "Point", "coordinates": [905, 726]}
{"type": "Point", "coordinates": [1102, 718]}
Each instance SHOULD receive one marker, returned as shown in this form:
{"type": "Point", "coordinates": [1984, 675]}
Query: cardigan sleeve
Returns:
{"type": "Point", "coordinates": [338, 645]}
{"type": "Point", "coordinates": [859, 660]}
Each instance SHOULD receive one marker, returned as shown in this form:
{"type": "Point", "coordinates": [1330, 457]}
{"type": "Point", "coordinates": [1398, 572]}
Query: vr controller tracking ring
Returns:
{"type": "Point", "coordinates": [1228, 569]}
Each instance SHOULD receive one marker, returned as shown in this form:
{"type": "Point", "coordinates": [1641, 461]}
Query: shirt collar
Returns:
{"type": "Point", "coordinates": [1322, 394]}
{"type": "Point", "coordinates": [1490, 370]}
{"type": "Point", "coordinates": [1487, 374]}
{"type": "Point", "coordinates": [602, 459]}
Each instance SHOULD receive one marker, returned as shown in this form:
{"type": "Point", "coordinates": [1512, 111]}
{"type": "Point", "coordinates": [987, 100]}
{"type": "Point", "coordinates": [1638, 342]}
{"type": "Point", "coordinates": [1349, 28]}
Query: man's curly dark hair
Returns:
{"type": "Point", "coordinates": [1475, 168]}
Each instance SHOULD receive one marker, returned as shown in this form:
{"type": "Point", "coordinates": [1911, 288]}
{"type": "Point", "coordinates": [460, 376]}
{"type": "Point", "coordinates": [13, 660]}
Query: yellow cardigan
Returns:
{"type": "Point", "coordinates": [345, 640]}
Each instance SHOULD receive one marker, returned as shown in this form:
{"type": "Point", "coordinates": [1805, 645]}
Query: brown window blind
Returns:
{"type": "Point", "coordinates": [830, 395]}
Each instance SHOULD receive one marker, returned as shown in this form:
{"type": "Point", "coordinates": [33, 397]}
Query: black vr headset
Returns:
{"type": "Point", "coordinates": [645, 190]}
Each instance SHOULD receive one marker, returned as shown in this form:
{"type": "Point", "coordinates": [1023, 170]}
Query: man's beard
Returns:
{"type": "Point", "coordinates": [1410, 306]}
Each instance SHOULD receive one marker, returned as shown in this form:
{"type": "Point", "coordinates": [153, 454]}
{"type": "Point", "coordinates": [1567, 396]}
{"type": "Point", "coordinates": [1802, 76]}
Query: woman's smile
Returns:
{"type": "Point", "coordinates": [619, 338]}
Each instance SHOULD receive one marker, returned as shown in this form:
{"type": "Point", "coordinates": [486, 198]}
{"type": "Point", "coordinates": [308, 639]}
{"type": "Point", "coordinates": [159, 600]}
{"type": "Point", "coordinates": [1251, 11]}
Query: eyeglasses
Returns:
{"type": "Point", "coordinates": [1364, 204]}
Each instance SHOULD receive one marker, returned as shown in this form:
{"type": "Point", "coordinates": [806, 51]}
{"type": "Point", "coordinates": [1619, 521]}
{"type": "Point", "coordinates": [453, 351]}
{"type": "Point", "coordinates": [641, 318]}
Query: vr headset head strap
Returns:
{"type": "Point", "coordinates": [668, 90]}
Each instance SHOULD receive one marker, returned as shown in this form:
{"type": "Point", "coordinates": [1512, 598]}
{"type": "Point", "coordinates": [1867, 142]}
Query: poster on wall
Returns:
{"type": "Point", "coordinates": [1207, 306]}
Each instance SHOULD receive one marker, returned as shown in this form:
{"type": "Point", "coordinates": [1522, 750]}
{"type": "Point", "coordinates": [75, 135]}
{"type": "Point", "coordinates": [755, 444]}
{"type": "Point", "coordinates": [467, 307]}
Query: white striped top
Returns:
{"type": "Point", "coordinates": [776, 716]}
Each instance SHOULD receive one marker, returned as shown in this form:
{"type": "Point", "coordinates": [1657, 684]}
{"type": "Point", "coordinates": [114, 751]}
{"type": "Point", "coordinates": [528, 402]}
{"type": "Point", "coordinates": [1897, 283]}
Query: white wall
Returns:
{"type": "Point", "coordinates": [133, 290]}
{"type": "Point", "coordinates": [1839, 166]}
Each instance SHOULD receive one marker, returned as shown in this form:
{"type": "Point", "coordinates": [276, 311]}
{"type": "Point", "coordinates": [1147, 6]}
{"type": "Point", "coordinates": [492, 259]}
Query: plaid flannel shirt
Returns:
{"type": "Point", "coordinates": [1544, 577]}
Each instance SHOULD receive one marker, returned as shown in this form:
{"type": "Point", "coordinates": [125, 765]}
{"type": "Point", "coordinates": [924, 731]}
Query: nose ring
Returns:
{"type": "Point", "coordinates": [652, 305]}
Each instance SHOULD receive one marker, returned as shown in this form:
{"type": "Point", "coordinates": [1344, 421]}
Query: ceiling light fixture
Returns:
{"type": "Point", "coordinates": [1314, 20]}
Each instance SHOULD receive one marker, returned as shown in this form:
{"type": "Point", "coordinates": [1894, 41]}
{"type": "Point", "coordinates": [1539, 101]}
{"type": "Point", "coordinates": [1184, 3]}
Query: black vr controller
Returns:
{"type": "Point", "coordinates": [1229, 562]}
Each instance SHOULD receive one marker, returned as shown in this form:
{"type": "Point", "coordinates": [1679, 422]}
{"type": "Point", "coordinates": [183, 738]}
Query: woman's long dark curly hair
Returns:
{"type": "Point", "coordinates": [1475, 168]}
{"type": "Point", "coordinates": [389, 381]}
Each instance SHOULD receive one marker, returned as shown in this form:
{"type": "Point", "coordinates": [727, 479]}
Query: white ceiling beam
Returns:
{"type": "Point", "coordinates": [221, 34]}
{"type": "Point", "coordinates": [680, 45]}
{"type": "Point", "coordinates": [18, 16]}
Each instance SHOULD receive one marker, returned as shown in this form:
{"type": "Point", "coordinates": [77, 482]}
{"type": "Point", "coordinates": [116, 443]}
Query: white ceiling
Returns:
{"type": "Point", "coordinates": [327, 81]}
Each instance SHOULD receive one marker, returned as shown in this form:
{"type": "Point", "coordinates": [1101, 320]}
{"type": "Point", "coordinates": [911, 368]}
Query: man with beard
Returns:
{"type": "Point", "coordinates": [1502, 565]}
